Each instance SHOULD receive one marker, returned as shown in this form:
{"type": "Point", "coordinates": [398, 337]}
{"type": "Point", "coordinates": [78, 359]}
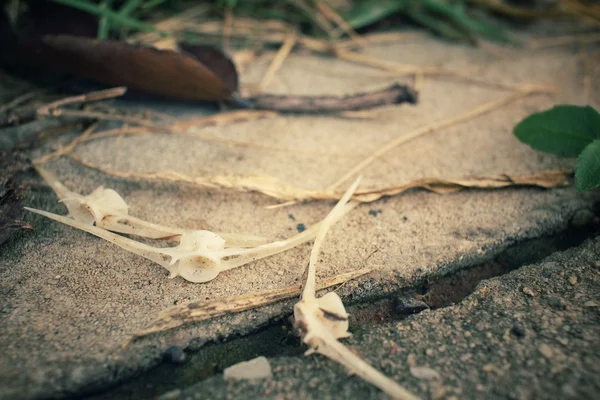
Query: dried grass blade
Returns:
{"type": "Point", "coordinates": [196, 311]}
{"type": "Point", "coordinates": [474, 113]}
{"type": "Point", "coordinates": [279, 190]}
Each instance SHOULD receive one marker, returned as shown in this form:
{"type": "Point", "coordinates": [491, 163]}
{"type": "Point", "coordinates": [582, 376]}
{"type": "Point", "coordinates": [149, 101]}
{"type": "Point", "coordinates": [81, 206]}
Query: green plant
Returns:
{"type": "Point", "coordinates": [567, 131]}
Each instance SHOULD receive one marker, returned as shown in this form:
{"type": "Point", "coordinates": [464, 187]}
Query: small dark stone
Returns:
{"type": "Point", "coordinates": [405, 218]}
{"type": "Point", "coordinates": [375, 212]}
{"type": "Point", "coordinates": [518, 329]}
{"type": "Point", "coordinates": [556, 303]}
{"type": "Point", "coordinates": [550, 268]}
{"type": "Point", "coordinates": [174, 355]}
{"type": "Point", "coordinates": [291, 216]}
{"type": "Point", "coordinates": [410, 305]}
{"type": "Point", "coordinates": [301, 227]}
{"type": "Point", "coordinates": [583, 217]}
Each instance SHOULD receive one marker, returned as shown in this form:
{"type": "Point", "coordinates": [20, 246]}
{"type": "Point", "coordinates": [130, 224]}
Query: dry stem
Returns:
{"type": "Point", "coordinates": [272, 187]}
{"type": "Point", "coordinates": [53, 108]}
{"type": "Point", "coordinates": [278, 60]}
{"type": "Point", "coordinates": [474, 113]}
{"type": "Point", "coordinates": [202, 310]}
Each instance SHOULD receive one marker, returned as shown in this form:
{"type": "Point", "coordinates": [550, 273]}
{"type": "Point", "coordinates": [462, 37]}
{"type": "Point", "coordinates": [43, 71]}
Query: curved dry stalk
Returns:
{"type": "Point", "coordinates": [273, 187]}
{"type": "Point", "coordinates": [130, 245]}
{"type": "Point", "coordinates": [200, 255]}
{"type": "Point", "coordinates": [323, 320]}
{"type": "Point", "coordinates": [476, 112]}
{"type": "Point", "coordinates": [338, 211]}
{"type": "Point", "coordinates": [106, 209]}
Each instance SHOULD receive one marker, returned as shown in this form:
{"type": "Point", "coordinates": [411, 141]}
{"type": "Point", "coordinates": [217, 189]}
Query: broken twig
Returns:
{"type": "Point", "coordinates": [53, 108]}
{"type": "Point", "coordinates": [394, 94]}
{"type": "Point", "coordinates": [197, 311]}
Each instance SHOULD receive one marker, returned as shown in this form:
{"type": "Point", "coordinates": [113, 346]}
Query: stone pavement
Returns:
{"type": "Point", "coordinates": [68, 300]}
{"type": "Point", "coordinates": [531, 334]}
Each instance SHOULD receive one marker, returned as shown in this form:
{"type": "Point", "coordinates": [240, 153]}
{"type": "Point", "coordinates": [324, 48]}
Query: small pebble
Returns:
{"type": "Point", "coordinates": [546, 351]}
{"type": "Point", "coordinates": [569, 391]}
{"type": "Point", "coordinates": [528, 292]}
{"type": "Point", "coordinates": [590, 303]}
{"type": "Point", "coordinates": [301, 227]}
{"type": "Point", "coordinates": [257, 368]}
{"type": "Point", "coordinates": [424, 373]}
{"type": "Point", "coordinates": [517, 329]}
{"type": "Point", "coordinates": [174, 355]}
{"type": "Point", "coordinates": [170, 395]}
{"type": "Point", "coordinates": [573, 280]}
{"type": "Point", "coordinates": [556, 303]}
{"type": "Point", "coordinates": [488, 368]}
{"type": "Point", "coordinates": [411, 360]}
{"type": "Point", "coordinates": [52, 281]}
{"type": "Point", "coordinates": [314, 383]}
{"type": "Point", "coordinates": [429, 352]}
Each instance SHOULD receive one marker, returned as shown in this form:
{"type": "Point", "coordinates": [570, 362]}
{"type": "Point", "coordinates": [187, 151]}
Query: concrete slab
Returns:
{"type": "Point", "coordinates": [69, 299]}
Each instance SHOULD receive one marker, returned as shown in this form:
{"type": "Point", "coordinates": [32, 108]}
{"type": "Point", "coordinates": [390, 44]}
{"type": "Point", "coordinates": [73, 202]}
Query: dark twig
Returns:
{"type": "Point", "coordinates": [53, 108]}
{"type": "Point", "coordinates": [394, 94]}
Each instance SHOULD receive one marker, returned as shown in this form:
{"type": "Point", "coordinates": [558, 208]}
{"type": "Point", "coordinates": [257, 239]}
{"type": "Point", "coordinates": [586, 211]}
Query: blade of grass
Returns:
{"type": "Point", "coordinates": [129, 7]}
{"type": "Point", "coordinates": [438, 26]}
{"type": "Point", "coordinates": [104, 24]}
{"type": "Point", "coordinates": [456, 14]}
{"type": "Point", "coordinates": [110, 15]}
{"type": "Point", "coordinates": [152, 3]}
{"type": "Point", "coordinates": [367, 12]}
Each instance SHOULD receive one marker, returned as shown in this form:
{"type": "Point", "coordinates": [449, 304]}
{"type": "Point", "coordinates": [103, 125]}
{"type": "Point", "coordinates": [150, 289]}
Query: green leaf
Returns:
{"type": "Point", "coordinates": [564, 130]}
{"type": "Point", "coordinates": [587, 172]}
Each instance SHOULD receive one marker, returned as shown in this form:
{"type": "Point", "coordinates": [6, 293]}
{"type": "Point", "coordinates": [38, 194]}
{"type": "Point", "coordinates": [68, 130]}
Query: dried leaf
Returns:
{"type": "Point", "coordinates": [161, 72]}
{"type": "Point", "coordinates": [277, 189]}
{"type": "Point", "coordinates": [214, 60]}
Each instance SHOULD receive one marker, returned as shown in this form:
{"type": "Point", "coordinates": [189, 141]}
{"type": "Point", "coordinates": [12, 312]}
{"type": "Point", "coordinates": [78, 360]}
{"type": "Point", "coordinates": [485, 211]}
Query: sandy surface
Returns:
{"type": "Point", "coordinates": [68, 299]}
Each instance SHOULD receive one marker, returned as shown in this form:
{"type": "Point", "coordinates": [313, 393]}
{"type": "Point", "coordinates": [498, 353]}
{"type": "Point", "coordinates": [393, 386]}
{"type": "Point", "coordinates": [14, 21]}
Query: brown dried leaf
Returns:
{"type": "Point", "coordinates": [216, 61]}
{"type": "Point", "coordinates": [200, 73]}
